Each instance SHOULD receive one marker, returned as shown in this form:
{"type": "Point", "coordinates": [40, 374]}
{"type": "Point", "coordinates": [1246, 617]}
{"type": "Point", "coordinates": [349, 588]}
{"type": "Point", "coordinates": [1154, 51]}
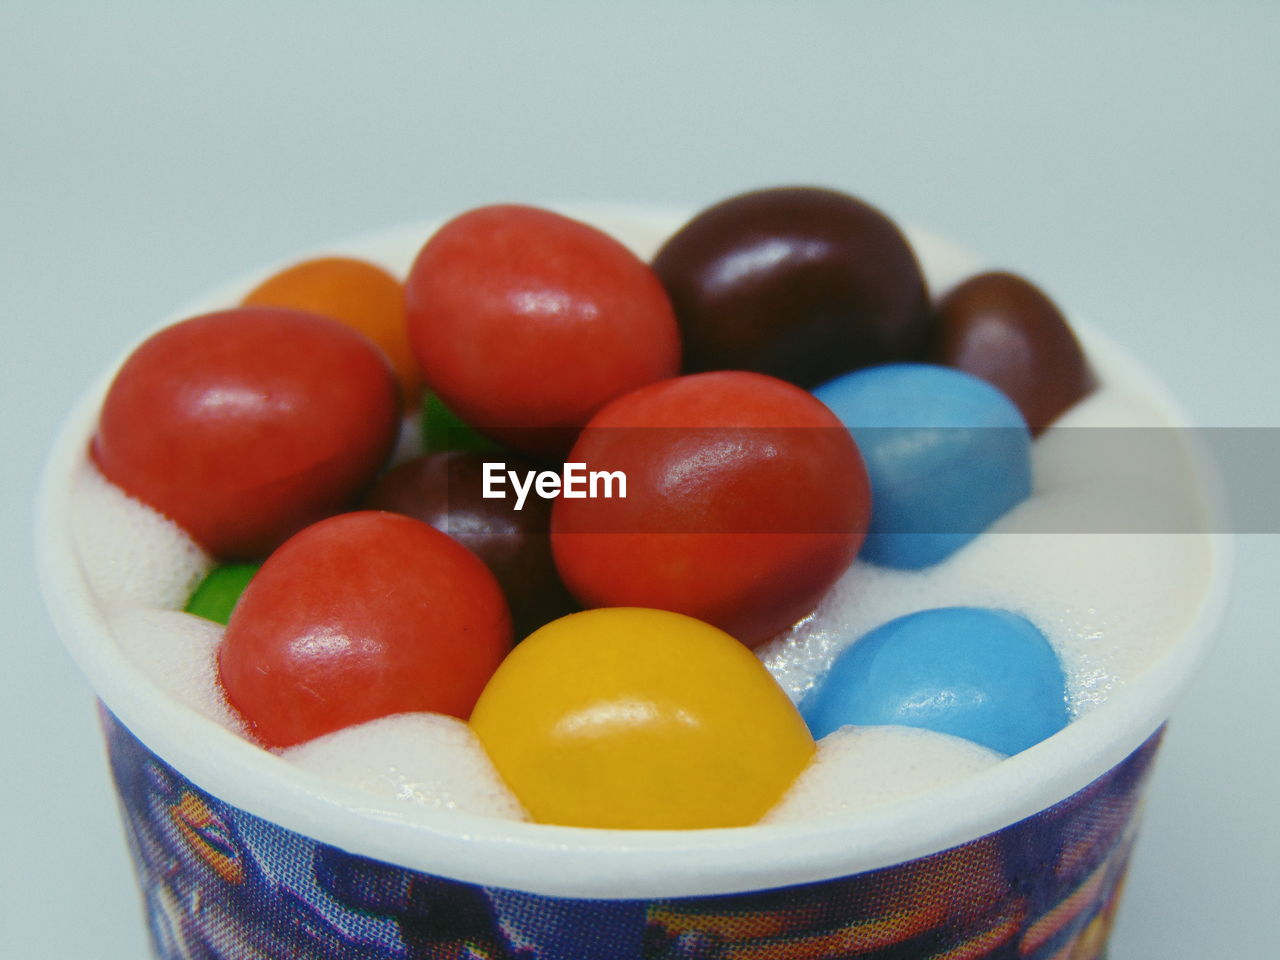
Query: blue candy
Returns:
{"type": "Point", "coordinates": [986, 675]}
{"type": "Point", "coordinates": [947, 454]}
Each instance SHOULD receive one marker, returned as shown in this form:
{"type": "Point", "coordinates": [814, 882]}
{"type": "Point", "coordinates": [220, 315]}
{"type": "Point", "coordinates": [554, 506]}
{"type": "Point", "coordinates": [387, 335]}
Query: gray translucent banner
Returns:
{"type": "Point", "coordinates": [775, 480]}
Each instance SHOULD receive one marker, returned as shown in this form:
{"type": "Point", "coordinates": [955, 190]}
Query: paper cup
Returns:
{"type": "Point", "coordinates": [240, 854]}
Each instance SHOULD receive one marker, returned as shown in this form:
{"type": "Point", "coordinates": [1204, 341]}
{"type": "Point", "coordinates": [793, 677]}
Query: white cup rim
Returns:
{"type": "Point", "coordinates": [576, 862]}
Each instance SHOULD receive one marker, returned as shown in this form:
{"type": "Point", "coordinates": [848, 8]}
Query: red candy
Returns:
{"type": "Point", "coordinates": [244, 426]}
{"type": "Point", "coordinates": [746, 499]}
{"type": "Point", "coordinates": [526, 323]}
{"type": "Point", "coordinates": [361, 616]}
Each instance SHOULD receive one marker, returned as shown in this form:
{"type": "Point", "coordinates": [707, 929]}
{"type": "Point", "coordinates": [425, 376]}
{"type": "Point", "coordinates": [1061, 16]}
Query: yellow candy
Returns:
{"type": "Point", "coordinates": [635, 718]}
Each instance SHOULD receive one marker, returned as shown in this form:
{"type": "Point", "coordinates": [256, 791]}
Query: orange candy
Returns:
{"type": "Point", "coordinates": [362, 296]}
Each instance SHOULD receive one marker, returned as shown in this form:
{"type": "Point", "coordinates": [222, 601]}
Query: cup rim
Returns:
{"type": "Point", "coordinates": [596, 863]}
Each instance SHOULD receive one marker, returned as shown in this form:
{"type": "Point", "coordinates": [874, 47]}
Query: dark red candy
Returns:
{"type": "Point", "coordinates": [797, 282]}
{"type": "Point", "coordinates": [445, 490]}
{"type": "Point", "coordinates": [1004, 329]}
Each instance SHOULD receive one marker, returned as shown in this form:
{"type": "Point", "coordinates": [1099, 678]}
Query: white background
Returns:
{"type": "Point", "coordinates": [1124, 155]}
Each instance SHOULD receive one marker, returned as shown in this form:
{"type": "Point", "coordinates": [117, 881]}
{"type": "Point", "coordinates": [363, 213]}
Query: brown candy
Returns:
{"type": "Point", "coordinates": [1002, 328]}
{"type": "Point", "coordinates": [445, 491]}
{"type": "Point", "coordinates": [798, 282]}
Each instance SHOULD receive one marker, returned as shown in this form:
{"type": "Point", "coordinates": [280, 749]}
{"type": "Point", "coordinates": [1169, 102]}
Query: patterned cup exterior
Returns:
{"type": "Point", "coordinates": [219, 882]}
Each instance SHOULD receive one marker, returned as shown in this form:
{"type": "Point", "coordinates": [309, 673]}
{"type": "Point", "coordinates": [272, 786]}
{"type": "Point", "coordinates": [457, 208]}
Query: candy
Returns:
{"type": "Point", "coordinates": [1003, 329]}
{"type": "Point", "coordinates": [442, 430]}
{"type": "Point", "coordinates": [986, 675]}
{"type": "Point", "coordinates": [244, 426]}
{"type": "Point", "coordinates": [219, 592]}
{"type": "Point", "coordinates": [800, 283]}
{"type": "Point", "coordinates": [947, 454]}
{"type": "Point", "coordinates": [446, 491]}
{"type": "Point", "coordinates": [526, 323]}
{"type": "Point", "coordinates": [357, 617]}
{"type": "Point", "coordinates": [746, 499]}
{"type": "Point", "coordinates": [637, 718]}
{"type": "Point", "coordinates": [354, 292]}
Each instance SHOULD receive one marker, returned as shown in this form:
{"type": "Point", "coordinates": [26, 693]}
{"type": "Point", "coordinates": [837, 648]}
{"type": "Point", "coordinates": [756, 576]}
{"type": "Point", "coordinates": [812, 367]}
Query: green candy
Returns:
{"type": "Point", "coordinates": [442, 430]}
{"type": "Point", "coordinates": [219, 592]}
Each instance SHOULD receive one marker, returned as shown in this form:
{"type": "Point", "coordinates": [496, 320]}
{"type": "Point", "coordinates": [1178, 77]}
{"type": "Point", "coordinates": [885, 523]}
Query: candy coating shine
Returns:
{"type": "Point", "coordinates": [526, 322]}
{"type": "Point", "coordinates": [361, 616]}
{"type": "Point", "coordinates": [636, 718]}
{"type": "Point", "coordinates": [800, 283]}
{"type": "Point", "coordinates": [244, 426]}
{"type": "Point", "coordinates": [746, 500]}
{"type": "Point", "coordinates": [987, 675]}
{"type": "Point", "coordinates": [1003, 329]}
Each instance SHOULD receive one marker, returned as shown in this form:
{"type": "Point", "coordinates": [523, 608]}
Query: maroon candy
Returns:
{"type": "Point", "coordinates": [800, 282]}
{"type": "Point", "coordinates": [1002, 328]}
{"type": "Point", "coordinates": [445, 491]}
